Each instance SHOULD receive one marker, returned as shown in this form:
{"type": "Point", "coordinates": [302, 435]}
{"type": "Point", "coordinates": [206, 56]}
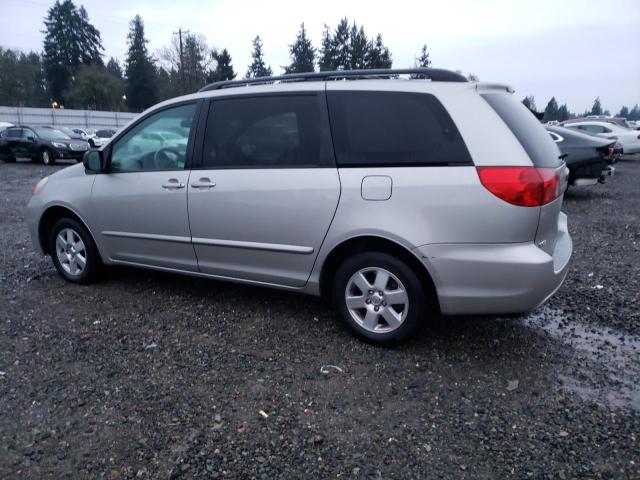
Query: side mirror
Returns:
{"type": "Point", "coordinates": [31, 138]}
{"type": "Point", "coordinates": [94, 161]}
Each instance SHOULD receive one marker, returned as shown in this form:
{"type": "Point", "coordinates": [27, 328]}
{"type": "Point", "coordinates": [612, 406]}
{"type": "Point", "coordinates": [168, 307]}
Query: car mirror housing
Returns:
{"type": "Point", "coordinates": [94, 161]}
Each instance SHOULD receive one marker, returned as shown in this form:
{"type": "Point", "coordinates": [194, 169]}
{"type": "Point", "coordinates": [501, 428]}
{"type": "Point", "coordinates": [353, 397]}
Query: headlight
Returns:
{"type": "Point", "coordinates": [59, 145]}
{"type": "Point", "coordinates": [40, 185]}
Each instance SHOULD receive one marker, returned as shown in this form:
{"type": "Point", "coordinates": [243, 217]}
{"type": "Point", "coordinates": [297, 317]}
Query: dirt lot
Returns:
{"type": "Point", "coordinates": [147, 375]}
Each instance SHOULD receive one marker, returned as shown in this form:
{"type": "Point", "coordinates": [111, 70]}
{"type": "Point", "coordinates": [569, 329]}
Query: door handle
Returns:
{"type": "Point", "coordinates": [204, 183]}
{"type": "Point", "coordinates": [172, 184]}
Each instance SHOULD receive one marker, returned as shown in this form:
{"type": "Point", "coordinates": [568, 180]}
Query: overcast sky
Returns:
{"type": "Point", "coordinates": [573, 49]}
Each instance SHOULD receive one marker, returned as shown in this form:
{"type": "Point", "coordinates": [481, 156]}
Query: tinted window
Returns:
{"type": "Point", "coordinates": [12, 133]}
{"type": "Point", "coordinates": [266, 132]}
{"type": "Point", "coordinates": [393, 129]}
{"type": "Point", "coordinates": [28, 133]}
{"type": "Point", "coordinates": [145, 148]}
{"type": "Point", "coordinates": [526, 128]}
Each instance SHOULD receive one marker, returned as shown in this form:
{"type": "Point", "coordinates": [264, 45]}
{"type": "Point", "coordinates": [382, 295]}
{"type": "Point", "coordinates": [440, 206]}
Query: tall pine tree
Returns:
{"type": "Point", "coordinates": [258, 67]}
{"type": "Point", "coordinates": [327, 54]}
{"type": "Point", "coordinates": [302, 54]}
{"type": "Point", "coordinates": [70, 40]}
{"type": "Point", "coordinates": [551, 110]}
{"type": "Point", "coordinates": [596, 109]}
{"type": "Point", "coordinates": [529, 102]}
{"type": "Point", "coordinates": [424, 60]}
{"type": "Point", "coordinates": [341, 47]}
{"type": "Point", "coordinates": [358, 48]}
{"type": "Point", "coordinates": [378, 55]}
{"type": "Point", "coordinates": [224, 68]}
{"type": "Point", "coordinates": [139, 68]}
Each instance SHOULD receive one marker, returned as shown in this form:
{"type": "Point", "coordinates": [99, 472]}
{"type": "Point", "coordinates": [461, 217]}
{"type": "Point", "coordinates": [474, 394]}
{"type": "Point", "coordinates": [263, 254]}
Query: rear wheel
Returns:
{"type": "Point", "coordinates": [47, 157]}
{"type": "Point", "coordinates": [380, 297]}
{"type": "Point", "coordinates": [73, 251]}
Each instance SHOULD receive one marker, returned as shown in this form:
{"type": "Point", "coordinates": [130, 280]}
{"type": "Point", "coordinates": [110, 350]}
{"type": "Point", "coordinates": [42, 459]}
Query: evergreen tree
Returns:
{"type": "Point", "coordinates": [95, 88]}
{"type": "Point", "coordinates": [606, 113]}
{"type": "Point", "coordinates": [424, 59]}
{"type": "Point", "coordinates": [358, 48]}
{"type": "Point", "coordinates": [472, 77]}
{"type": "Point", "coordinates": [168, 83]}
{"type": "Point", "coordinates": [327, 55]}
{"type": "Point", "coordinates": [378, 55]}
{"type": "Point", "coordinates": [530, 103]}
{"type": "Point", "coordinates": [563, 113]}
{"type": "Point", "coordinates": [258, 67]}
{"type": "Point", "coordinates": [624, 112]}
{"type": "Point", "coordinates": [114, 68]}
{"type": "Point", "coordinates": [22, 81]}
{"type": "Point", "coordinates": [141, 89]}
{"type": "Point", "coordinates": [224, 68]}
{"type": "Point", "coordinates": [302, 54]}
{"type": "Point", "coordinates": [597, 107]}
{"type": "Point", "coordinates": [196, 59]}
{"type": "Point", "coordinates": [70, 40]}
{"type": "Point", "coordinates": [341, 47]}
{"type": "Point", "coordinates": [634, 114]}
{"type": "Point", "coordinates": [551, 110]}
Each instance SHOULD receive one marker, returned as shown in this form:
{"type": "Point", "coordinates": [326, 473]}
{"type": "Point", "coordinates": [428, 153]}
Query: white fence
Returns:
{"type": "Point", "coordinates": [65, 118]}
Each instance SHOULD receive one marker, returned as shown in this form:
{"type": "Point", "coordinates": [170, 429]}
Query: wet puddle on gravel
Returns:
{"type": "Point", "coordinates": [607, 369]}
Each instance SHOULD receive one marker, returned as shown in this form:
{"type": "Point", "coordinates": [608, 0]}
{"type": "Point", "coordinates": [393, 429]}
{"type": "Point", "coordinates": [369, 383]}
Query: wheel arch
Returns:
{"type": "Point", "coordinates": [369, 243]}
{"type": "Point", "coordinates": [50, 216]}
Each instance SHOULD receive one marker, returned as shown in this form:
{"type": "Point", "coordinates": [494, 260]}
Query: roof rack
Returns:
{"type": "Point", "coordinates": [433, 74]}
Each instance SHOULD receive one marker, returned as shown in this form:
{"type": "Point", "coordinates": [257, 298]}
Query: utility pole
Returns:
{"type": "Point", "coordinates": [179, 33]}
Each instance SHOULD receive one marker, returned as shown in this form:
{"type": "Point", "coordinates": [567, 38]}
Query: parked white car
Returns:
{"type": "Point", "coordinates": [629, 139]}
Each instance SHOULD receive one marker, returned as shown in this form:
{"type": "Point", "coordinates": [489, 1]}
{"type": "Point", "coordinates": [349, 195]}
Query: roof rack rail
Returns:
{"type": "Point", "coordinates": [433, 74]}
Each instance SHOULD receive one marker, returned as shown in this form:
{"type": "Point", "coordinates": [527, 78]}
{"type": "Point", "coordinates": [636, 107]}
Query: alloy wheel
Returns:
{"type": "Point", "coordinates": [377, 300]}
{"type": "Point", "coordinates": [71, 252]}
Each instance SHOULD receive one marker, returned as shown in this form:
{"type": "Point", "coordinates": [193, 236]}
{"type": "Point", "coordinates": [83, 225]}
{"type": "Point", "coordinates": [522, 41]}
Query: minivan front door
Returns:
{"type": "Point", "coordinates": [140, 205]}
{"type": "Point", "coordinates": [266, 190]}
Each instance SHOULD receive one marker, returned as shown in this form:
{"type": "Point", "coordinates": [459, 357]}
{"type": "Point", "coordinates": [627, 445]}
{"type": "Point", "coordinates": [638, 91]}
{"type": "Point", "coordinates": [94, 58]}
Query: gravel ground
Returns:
{"type": "Point", "coordinates": [147, 375]}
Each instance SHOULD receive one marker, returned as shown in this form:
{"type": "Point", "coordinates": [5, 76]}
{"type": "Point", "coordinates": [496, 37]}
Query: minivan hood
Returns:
{"type": "Point", "coordinates": [76, 170]}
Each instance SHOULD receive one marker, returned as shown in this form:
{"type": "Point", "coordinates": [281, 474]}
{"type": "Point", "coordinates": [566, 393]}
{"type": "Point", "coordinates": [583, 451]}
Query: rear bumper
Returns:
{"type": "Point", "coordinates": [495, 279]}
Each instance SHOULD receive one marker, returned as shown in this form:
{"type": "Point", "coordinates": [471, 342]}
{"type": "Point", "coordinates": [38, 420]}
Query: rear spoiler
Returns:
{"type": "Point", "coordinates": [488, 87]}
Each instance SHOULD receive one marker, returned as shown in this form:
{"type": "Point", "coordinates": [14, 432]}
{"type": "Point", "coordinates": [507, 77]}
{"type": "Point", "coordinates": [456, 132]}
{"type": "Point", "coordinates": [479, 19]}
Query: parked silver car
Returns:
{"type": "Point", "coordinates": [381, 193]}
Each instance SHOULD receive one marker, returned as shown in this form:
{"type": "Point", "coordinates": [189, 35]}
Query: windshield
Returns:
{"type": "Point", "coordinates": [51, 134]}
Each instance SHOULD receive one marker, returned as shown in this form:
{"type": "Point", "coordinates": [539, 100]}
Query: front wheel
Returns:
{"type": "Point", "coordinates": [73, 251]}
{"type": "Point", "coordinates": [380, 297]}
{"type": "Point", "coordinates": [47, 157]}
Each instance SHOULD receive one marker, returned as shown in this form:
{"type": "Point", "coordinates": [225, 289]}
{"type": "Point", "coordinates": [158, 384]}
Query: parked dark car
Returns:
{"type": "Point", "coordinates": [42, 144]}
{"type": "Point", "coordinates": [588, 157]}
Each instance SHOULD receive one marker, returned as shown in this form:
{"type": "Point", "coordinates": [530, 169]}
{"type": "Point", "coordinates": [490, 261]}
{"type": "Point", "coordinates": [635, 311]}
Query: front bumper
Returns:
{"type": "Point", "coordinates": [496, 279]}
{"type": "Point", "coordinates": [68, 153]}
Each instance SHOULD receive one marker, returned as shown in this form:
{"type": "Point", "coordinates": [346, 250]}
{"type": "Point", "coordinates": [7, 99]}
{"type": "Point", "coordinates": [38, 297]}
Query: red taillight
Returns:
{"type": "Point", "coordinates": [522, 186]}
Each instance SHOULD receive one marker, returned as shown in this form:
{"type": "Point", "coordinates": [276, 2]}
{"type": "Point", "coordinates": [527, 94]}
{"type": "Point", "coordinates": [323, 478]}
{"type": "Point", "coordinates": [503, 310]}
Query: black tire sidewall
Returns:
{"type": "Point", "coordinates": [52, 160]}
{"type": "Point", "coordinates": [415, 292]}
{"type": "Point", "coordinates": [94, 262]}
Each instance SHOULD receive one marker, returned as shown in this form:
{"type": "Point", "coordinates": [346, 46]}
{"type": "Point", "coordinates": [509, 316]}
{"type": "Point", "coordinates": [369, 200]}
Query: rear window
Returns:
{"type": "Point", "coordinates": [393, 129]}
{"type": "Point", "coordinates": [527, 129]}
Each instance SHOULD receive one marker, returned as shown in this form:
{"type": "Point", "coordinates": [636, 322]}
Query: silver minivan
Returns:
{"type": "Point", "coordinates": [397, 198]}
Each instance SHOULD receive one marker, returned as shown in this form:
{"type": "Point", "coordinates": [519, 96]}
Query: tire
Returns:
{"type": "Point", "coordinates": [67, 260]}
{"type": "Point", "coordinates": [370, 315]}
{"type": "Point", "coordinates": [47, 157]}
